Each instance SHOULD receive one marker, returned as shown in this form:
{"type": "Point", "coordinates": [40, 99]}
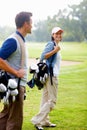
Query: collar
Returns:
{"type": "Point", "coordinates": [20, 35]}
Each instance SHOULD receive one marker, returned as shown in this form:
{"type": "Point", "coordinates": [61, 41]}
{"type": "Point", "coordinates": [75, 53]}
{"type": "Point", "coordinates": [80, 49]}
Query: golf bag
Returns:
{"type": "Point", "coordinates": [40, 75]}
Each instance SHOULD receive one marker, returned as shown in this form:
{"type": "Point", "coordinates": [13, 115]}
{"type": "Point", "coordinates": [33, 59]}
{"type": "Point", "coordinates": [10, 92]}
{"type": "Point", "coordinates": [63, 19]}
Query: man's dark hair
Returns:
{"type": "Point", "coordinates": [21, 18]}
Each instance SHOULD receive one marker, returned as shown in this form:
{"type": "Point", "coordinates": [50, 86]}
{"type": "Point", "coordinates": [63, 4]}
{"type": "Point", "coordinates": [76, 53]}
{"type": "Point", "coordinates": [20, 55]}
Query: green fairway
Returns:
{"type": "Point", "coordinates": [70, 112]}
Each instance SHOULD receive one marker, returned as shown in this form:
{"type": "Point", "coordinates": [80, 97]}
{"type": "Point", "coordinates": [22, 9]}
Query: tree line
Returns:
{"type": "Point", "coordinates": [72, 20]}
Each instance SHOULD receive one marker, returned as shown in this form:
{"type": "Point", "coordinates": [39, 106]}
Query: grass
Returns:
{"type": "Point", "coordinates": [70, 112]}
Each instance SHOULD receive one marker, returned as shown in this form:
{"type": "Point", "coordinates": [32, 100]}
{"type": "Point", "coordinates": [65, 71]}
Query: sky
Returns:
{"type": "Point", "coordinates": [40, 9]}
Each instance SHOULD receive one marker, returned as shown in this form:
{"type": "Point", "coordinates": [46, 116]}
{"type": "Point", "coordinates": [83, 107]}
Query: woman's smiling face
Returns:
{"type": "Point", "coordinates": [57, 36]}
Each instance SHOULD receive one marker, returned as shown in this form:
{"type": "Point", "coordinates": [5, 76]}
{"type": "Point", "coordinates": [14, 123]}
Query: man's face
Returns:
{"type": "Point", "coordinates": [28, 26]}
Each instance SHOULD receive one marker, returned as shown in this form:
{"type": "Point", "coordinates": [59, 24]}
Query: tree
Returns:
{"type": "Point", "coordinates": [79, 13]}
{"type": "Point", "coordinates": [41, 31]}
{"type": "Point", "coordinates": [5, 32]}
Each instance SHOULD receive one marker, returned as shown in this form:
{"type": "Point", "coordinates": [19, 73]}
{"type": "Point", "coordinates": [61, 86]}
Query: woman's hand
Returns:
{"type": "Point", "coordinates": [56, 48]}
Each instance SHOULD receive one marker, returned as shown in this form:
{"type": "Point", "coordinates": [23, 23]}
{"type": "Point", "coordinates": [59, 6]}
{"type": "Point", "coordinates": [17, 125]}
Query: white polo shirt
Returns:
{"type": "Point", "coordinates": [56, 68]}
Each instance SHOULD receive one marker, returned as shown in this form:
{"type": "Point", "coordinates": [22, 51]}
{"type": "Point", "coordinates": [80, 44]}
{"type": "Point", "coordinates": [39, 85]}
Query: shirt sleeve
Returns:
{"type": "Point", "coordinates": [8, 47]}
{"type": "Point", "coordinates": [49, 47]}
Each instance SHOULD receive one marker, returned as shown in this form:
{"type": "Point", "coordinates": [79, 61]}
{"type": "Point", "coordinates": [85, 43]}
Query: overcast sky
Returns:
{"type": "Point", "coordinates": [40, 9]}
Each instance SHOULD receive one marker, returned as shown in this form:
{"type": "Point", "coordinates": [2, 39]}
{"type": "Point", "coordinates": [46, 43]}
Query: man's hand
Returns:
{"type": "Point", "coordinates": [4, 66]}
{"type": "Point", "coordinates": [20, 73]}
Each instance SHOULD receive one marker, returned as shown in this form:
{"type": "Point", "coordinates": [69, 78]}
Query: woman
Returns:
{"type": "Point", "coordinates": [52, 56]}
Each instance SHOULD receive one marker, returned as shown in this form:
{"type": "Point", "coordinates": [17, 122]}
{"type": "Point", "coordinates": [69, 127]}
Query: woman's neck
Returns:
{"type": "Point", "coordinates": [56, 42]}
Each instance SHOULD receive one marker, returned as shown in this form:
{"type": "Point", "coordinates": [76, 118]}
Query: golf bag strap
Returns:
{"type": "Point", "coordinates": [51, 68]}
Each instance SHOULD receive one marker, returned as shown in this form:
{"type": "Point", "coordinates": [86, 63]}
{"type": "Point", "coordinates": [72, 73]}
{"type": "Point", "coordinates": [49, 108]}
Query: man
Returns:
{"type": "Point", "coordinates": [11, 117]}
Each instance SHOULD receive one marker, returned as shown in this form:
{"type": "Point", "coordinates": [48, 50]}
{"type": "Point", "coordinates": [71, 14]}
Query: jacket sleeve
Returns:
{"type": "Point", "coordinates": [49, 47]}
